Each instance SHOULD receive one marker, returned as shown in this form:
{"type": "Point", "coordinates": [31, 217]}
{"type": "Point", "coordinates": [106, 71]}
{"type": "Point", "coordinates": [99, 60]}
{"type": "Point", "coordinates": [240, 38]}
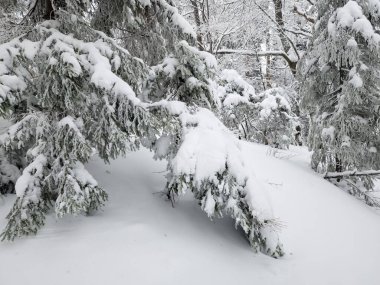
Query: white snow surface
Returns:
{"type": "Point", "coordinates": [329, 236]}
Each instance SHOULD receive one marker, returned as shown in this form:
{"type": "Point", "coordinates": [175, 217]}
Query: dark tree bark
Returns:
{"type": "Point", "coordinates": [45, 9]}
{"type": "Point", "coordinates": [279, 17]}
{"type": "Point", "coordinates": [197, 19]}
{"type": "Point", "coordinates": [49, 10]}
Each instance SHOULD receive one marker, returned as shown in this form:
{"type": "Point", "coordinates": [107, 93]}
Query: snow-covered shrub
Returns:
{"type": "Point", "coordinates": [340, 87]}
{"type": "Point", "coordinates": [265, 118]}
{"type": "Point", "coordinates": [235, 101]}
{"type": "Point", "coordinates": [275, 122]}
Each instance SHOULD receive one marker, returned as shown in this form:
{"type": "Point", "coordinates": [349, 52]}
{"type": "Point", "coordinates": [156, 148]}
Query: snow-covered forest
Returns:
{"type": "Point", "coordinates": [189, 141]}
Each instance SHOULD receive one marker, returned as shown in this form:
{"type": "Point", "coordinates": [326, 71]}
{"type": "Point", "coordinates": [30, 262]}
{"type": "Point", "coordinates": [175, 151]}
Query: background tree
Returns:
{"type": "Point", "coordinates": [340, 88]}
{"type": "Point", "coordinates": [263, 40]}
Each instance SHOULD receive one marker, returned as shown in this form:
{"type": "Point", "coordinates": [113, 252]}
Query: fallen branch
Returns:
{"type": "Point", "coordinates": [331, 175]}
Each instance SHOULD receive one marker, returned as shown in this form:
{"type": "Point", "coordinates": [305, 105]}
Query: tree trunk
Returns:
{"type": "Point", "coordinates": [279, 17]}
{"type": "Point", "coordinates": [45, 9]}
{"type": "Point", "coordinates": [49, 10]}
{"type": "Point", "coordinates": [197, 20]}
{"type": "Point", "coordinates": [338, 165]}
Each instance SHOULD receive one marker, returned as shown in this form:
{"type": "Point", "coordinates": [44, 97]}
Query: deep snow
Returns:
{"type": "Point", "coordinates": [329, 236]}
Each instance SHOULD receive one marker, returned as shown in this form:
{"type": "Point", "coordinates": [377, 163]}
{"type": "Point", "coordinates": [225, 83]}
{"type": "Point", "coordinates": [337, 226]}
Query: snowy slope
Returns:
{"type": "Point", "coordinates": [329, 236]}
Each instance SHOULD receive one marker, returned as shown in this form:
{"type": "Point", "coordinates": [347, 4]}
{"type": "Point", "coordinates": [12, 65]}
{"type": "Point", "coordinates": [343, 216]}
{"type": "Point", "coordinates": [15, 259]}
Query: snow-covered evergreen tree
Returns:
{"type": "Point", "coordinates": [72, 91]}
{"type": "Point", "coordinates": [149, 29]}
{"type": "Point", "coordinates": [68, 98]}
{"type": "Point", "coordinates": [340, 86]}
{"type": "Point", "coordinates": [203, 156]}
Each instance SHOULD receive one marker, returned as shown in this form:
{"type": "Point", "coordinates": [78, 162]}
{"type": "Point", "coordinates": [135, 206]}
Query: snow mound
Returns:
{"type": "Point", "coordinates": [330, 237]}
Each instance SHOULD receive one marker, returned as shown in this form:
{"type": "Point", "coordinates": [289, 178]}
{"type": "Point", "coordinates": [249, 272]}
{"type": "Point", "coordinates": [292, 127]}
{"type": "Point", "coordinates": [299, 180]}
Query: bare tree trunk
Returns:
{"type": "Point", "coordinates": [197, 20]}
{"type": "Point", "coordinates": [268, 75]}
{"type": "Point", "coordinates": [279, 17]}
{"type": "Point", "coordinates": [206, 18]}
{"type": "Point", "coordinates": [49, 10]}
{"type": "Point", "coordinates": [44, 9]}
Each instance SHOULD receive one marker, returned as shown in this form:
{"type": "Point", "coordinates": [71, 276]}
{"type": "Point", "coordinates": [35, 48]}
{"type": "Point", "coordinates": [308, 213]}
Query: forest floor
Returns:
{"type": "Point", "coordinates": [139, 238]}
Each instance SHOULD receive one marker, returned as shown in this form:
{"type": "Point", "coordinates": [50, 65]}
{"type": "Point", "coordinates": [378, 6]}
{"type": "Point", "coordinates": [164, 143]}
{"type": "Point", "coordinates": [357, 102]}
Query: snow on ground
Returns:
{"type": "Point", "coordinates": [330, 237]}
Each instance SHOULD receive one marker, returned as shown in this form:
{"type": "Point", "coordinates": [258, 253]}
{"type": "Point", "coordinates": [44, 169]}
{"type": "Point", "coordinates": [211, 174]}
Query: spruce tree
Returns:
{"type": "Point", "coordinates": [340, 87]}
{"type": "Point", "coordinates": [149, 29]}
{"type": "Point", "coordinates": [65, 87]}
{"type": "Point", "coordinates": [72, 91]}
